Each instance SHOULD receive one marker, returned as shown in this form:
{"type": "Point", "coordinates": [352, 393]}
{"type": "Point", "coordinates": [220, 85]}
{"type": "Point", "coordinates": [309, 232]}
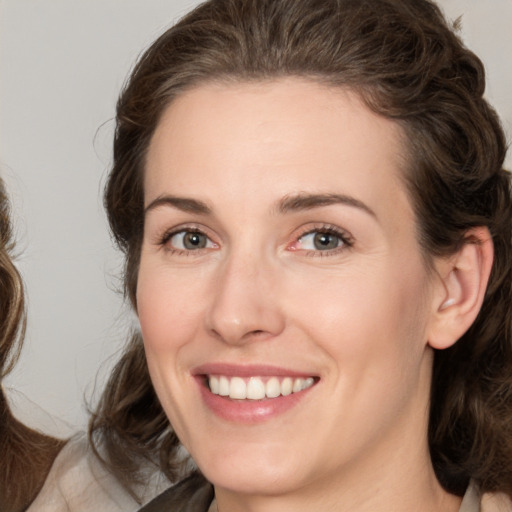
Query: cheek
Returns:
{"type": "Point", "coordinates": [169, 318]}
{"type": "Point", "coordinates": [168, 307]}
{"type": "Point", "coordinates": [365, 314]}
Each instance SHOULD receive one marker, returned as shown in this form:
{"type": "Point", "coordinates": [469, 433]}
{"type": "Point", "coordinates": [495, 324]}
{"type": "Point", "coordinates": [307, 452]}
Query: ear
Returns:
{"type": "Point", "coordinates": [460, 291]}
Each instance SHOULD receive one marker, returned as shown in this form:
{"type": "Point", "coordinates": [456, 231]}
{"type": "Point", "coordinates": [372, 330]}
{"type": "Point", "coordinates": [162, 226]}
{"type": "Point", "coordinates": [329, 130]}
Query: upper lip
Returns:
{"type": "Point", "coordinates": [248, 370]}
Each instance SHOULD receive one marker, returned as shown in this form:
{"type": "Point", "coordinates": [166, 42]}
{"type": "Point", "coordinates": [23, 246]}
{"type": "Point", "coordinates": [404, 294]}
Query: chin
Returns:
{"type": "Point", "coordinates": [254, 480]}
{"type": "Point", "coordinates": [258, 472]}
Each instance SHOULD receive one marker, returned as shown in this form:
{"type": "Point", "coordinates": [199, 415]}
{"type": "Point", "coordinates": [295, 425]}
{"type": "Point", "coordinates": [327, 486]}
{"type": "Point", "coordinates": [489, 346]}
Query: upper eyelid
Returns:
{"type": "Point", "coordinates": [169, 233]}
{"type": "Point", "coordinates": [189, 229]}
{"type": "Point", "coordinates": [320, 227]}
{"type": "Point", "coordinates": [326, 228]}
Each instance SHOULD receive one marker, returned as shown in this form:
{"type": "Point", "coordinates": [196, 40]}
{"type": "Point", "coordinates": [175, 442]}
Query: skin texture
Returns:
{"type": "Point", "coordinates": [358, 317]}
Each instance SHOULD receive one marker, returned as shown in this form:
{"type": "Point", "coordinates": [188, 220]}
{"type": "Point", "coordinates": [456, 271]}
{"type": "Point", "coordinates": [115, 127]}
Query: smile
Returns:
{"type": "Point", "coordinates": [257, 388]}
{"type": "Point", "coordinates": [252, 394]}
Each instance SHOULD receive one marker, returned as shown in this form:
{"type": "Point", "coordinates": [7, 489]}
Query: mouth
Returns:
{"type": "Point", "coordinates": [252, 394]}
{"type": "Point", "coordinates": [257, 387]}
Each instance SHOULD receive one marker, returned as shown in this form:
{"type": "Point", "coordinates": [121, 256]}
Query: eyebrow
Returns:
{"type": "Point", "coordinates": [184, 204]}
{"type": "Point", "coordinates": [306, 201]}
{"type": "Point", "coordinates": [290, 203]}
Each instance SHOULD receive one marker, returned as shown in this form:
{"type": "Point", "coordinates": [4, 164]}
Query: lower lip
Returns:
{"type": "Point", "coordinates": [249, 411]}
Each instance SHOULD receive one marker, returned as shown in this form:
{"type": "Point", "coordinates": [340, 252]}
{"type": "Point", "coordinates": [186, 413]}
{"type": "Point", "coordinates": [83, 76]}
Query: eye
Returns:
{"type": "Point", "coordinates": [320, 241]}
{"type": "Point", "coordinates": [323, 239]}
{"type": "Point", "coordinates": [188, 240]}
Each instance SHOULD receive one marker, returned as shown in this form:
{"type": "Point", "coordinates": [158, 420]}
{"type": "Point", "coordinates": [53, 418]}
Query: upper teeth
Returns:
{"type": "Point", "coordinates": [255, 388]}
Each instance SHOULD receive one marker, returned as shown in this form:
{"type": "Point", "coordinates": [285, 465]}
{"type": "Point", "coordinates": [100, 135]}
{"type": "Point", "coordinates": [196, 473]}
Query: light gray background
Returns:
{"type": "Point", "coordinates": [62, 63]}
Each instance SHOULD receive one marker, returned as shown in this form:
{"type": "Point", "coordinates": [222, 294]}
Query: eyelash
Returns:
{"type": "Point", "coordinates": [164, 241]}
{"type": "Point", "coordinates": [346, 240]}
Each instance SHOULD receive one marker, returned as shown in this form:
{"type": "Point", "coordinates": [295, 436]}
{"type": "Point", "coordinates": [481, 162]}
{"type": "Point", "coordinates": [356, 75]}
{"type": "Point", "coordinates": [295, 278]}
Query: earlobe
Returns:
{"type": "Point", "coordinates": [463, 282]}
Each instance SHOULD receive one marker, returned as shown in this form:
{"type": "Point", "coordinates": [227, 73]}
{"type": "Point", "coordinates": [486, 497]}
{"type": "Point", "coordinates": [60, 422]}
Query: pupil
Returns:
{"type": "Point", "coordinates": [325, 241]}
{"type": "Point", "coordinates": [194, 241]}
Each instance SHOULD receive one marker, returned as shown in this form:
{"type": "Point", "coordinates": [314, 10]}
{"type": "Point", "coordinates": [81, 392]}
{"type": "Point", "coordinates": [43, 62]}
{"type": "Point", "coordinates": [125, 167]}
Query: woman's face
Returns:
{"type": "Point", "coordinates": [280, 257]}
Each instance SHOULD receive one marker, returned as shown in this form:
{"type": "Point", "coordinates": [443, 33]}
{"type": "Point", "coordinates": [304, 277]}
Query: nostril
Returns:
{"type": "Point", "coordinates": [256, 333]}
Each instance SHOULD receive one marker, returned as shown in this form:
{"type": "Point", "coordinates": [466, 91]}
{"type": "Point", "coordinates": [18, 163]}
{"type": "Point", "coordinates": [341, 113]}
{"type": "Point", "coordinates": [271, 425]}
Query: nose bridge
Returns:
{"type": "Point", "coordinates": [244, 303]}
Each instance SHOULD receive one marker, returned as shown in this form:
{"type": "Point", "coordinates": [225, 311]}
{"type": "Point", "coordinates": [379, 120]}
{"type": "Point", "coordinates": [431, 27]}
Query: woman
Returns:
{"type": "Point", "coordinates": [317, 230]}
{"type": "Point", "coordinates": [26, 455]}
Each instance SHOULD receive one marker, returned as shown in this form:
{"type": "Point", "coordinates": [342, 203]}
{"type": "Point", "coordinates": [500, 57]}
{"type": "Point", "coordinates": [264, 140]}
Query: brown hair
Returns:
{"type": "Point", "coordinates": [26, 455]}
{"type": "Point", "coordinates": [408, 65]}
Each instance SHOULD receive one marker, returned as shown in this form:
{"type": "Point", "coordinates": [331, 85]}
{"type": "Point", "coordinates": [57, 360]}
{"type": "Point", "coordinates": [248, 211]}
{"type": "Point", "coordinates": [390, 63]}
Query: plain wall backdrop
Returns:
{"type": "Point", "coordinates": [62, 64]}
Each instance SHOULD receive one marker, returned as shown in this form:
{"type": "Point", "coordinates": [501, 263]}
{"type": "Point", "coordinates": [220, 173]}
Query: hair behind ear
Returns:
{"type": "Point", "coordinates": [470, 429]}
{"type": "Point", "coordinates": [129, 428]}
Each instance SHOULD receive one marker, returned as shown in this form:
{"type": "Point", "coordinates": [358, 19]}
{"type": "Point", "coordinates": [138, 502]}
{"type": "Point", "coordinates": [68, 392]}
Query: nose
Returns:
{"type": "Point", "coordinates": [244, 305]}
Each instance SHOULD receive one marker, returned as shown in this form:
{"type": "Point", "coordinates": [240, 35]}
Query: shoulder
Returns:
{"type": "Point", "coordinates": [496, 502]}
{"type": "Point", "coordinates": [475, 501]}
{"type": "Point", "coordinates": [78, 482]}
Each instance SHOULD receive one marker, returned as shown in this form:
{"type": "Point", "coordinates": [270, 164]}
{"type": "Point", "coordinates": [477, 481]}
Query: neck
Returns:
{"type": "Point", "coordinates": [416, 490]}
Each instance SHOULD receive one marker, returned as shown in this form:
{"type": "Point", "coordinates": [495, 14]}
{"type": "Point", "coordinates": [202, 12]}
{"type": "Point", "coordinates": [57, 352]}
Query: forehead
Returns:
{"type": "Point", "coordinates": [274, 138]}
